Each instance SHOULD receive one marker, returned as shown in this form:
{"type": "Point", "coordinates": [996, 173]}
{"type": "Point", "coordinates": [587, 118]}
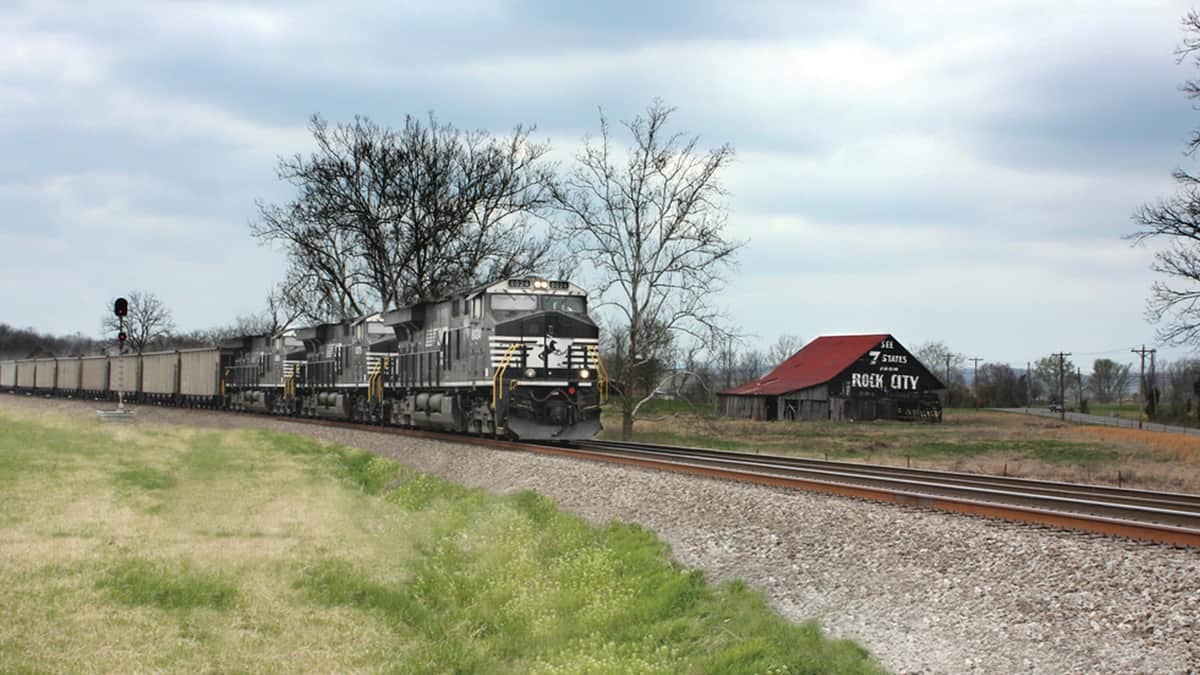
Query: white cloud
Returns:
{"type": "Point", "coordinates": [867, 178]}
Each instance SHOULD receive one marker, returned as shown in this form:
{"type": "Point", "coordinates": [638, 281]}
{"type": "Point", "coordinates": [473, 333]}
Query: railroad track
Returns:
{"type": "Point", "coordinates": [1138, 514]}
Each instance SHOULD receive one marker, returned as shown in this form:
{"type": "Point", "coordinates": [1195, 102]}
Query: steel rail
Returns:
{"type": "Point", "coordinates": [1024, 513]}
{"type": "Point", "coordinates": [1174, 501]}
{"type": "Point", "coordinates": [930, 488]}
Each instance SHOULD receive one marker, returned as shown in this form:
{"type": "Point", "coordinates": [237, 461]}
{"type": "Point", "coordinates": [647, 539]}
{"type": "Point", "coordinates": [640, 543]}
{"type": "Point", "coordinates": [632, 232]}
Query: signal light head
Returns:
{"type": "Point", "coordinates": [121, 336]}
{"type": "Point", "coordinates": [121, 307]}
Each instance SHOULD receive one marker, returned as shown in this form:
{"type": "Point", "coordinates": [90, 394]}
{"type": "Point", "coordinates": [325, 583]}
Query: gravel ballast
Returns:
{"type": "Point", "coordinates": [923, 591]}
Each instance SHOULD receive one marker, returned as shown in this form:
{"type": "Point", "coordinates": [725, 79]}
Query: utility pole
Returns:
{"type": "Point", "coordinates": [1079, 388]}
{"type": "Point", "coordinates": [1028, 386]}
{"type": "Point", "coordinates": [1062, 400]}
{"type": "Point", "coordinates": [1153, 393]}
{"type": "Point", "coordinates": [1142, 380]}
{"type": "Point", "coordinates": [975, 380]}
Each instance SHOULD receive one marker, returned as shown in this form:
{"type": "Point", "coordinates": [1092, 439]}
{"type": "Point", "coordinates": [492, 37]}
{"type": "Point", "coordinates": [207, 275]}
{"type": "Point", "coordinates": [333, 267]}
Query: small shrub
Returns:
{"type": "Point", "coordinates": [367, 472]}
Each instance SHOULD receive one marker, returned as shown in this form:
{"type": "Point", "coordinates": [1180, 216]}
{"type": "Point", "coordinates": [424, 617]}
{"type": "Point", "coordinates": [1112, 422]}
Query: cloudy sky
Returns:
{"type": "Point", "coordinates": [933, 169]}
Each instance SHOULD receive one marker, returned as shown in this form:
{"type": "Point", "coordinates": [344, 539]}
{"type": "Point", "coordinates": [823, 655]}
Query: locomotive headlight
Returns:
{"type": "Point", "coordinates": [530, 372]}
{"type": "Point", "coordinates": [584, 373]}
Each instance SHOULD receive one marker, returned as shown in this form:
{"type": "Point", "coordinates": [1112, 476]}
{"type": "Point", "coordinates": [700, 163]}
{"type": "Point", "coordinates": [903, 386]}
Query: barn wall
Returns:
{"type": "Point", "coordinates": [742, 407]}
{"type": "Point", "coordinates": [805, 404]}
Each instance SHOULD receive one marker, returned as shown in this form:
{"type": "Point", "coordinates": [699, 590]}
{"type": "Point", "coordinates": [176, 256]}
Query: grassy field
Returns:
{"type": "Point", "coordinates": [1127, 410]}
{"type": "Point", "coordinates": [967, 440]}
{"type": "Point", "coordinates": [135, 548]}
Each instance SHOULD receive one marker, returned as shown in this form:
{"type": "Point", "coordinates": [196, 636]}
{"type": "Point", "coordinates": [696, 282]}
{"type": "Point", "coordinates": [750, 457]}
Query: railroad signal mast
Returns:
{"type": "Point", "coordinates": [121, 309]}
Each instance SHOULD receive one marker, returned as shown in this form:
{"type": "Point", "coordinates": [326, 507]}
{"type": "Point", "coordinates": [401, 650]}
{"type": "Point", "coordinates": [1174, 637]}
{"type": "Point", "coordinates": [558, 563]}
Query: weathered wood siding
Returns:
{"type": "Point", "coordinates": [742, 407]}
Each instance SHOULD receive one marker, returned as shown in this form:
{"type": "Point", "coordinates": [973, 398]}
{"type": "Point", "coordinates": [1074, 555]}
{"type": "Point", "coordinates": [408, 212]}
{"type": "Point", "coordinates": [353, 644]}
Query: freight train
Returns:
{"type": "Point", "coordinates": [518, 358]}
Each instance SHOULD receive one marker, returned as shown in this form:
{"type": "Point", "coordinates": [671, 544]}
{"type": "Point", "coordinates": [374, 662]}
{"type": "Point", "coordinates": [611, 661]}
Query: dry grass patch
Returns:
{"type": "Point", "coordinates": [141, 549]}
{"type": "Point", "coordinates": [133, 548]}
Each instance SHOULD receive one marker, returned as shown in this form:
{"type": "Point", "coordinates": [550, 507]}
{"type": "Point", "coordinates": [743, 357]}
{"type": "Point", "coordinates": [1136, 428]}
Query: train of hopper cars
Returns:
{"type": "Point", "coordinates": [517, 358]}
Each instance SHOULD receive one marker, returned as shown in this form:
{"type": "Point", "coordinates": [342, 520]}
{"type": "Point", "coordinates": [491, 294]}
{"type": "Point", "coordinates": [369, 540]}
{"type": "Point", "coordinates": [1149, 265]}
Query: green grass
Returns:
{"type": "Point", "coordinates": [141, 582]}
{"type": "Point", "coordinates": [1128, 410]}
{"type": "Point", "coordinates": [1044, 449]}
{"type": "Point", "coordinates": [180, 550]}
{"type": "Point", "coordinates": [658, 406]}
{"type": "Point", "coordinates": [965, 433]}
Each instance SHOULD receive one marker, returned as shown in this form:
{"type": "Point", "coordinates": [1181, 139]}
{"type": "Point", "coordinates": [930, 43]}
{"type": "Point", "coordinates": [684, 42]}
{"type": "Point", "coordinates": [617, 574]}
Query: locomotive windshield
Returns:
{"type": "Point", "coordinates": [514, 303]}
{"type": "Point", "coordinates": [529, 303]}
{"type": "Point", "coordinates": [564, 303]}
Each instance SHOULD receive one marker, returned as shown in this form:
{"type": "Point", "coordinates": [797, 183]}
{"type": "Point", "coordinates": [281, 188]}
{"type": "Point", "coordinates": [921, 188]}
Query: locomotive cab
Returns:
{"type": "Point", "coordinates": [545, 352]}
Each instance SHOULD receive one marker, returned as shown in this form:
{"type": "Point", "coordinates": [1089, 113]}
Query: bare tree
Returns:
{"type": "Point", "coordinates": [650, 219]}
{"type": "Point", "coordinates": [784, 348]}
{"type": "Point", "coordinates": [1109, 379]}
{"type": "Point", "coordinates": [1180, 388]}
{"type": "Point", "coordinates": [384, 218]}
{"type": "Point", "coordinates": [752, 364]}
{"type": "Point", "coordinates": [1000, 386]}
{"type": "Point", "coordinates": [1175, 303]}
{"type": "Point", "coordinates": [949, 366]}
{"type": "Point", "coordinates": [147, 323]}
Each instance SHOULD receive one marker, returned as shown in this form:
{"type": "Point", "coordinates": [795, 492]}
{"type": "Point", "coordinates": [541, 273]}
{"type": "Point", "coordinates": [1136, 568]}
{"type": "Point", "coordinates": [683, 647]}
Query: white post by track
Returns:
{"type": "Point", "coordinates": [120, 414]}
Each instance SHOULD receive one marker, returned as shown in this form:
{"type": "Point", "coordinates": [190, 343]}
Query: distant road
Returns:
{"type": "Point", "coordinates": [1107, 421]}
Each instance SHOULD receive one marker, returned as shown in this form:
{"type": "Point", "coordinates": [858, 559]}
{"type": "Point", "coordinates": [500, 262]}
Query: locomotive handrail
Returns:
{"type": "Point", "coordinates": [375, 379]}
{"type": "Point", "coordinates": [498, 377]}
{"type": "Point", "coordinates": [601, 374]}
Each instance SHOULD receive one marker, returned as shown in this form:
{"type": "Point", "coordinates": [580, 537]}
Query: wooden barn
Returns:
{"type": "Point", "coordinates": [840, 377]}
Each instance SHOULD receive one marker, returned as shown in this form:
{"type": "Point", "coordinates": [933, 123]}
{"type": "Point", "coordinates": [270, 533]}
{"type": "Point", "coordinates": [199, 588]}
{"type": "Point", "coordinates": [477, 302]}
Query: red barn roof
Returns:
{"type": "Point", "coordinates": [818, 362]}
